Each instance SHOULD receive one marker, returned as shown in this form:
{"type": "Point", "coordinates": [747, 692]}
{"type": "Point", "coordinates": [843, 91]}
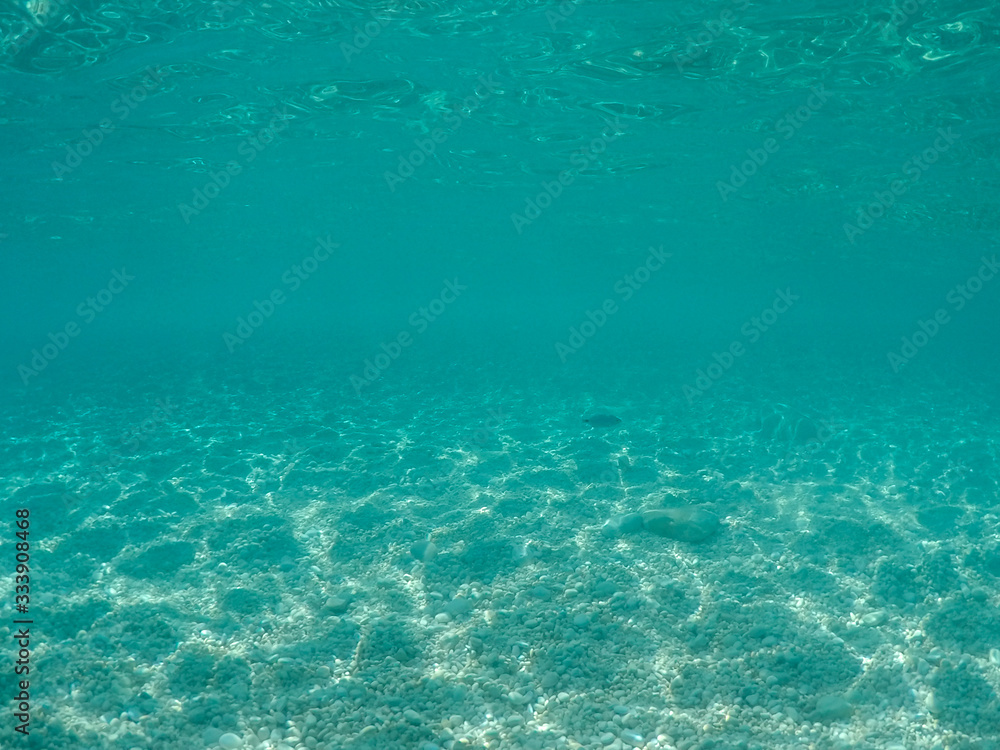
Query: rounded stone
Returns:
{"type": "Point", "coordinates": [230, 741]}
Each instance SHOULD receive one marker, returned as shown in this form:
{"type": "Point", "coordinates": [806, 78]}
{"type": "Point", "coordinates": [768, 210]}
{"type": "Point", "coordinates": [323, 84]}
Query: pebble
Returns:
{"type": "Point", "coordinates": [692, 524]}
{"type": "Point", "coordinates": [615, 725]}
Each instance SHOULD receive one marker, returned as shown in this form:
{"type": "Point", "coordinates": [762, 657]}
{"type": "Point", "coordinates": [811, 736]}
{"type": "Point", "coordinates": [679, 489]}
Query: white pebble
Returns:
{"type": "Point", "coordinates": [230, 741]}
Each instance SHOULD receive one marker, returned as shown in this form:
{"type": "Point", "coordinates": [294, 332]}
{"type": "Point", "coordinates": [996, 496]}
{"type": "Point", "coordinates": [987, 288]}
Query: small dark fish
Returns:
{"type": "Point", "coordinates": [424, 550]}
{"type": "Point", "coordinates": [602, 420]}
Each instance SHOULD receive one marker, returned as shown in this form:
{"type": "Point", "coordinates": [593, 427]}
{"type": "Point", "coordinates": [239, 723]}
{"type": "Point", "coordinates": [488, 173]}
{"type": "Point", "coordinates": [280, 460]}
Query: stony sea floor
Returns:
{"type": "Point", "coordinates": [265, 560]}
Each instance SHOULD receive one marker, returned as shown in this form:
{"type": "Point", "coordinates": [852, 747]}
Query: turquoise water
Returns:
{"type": "Point", "coordinates": [504, 375]}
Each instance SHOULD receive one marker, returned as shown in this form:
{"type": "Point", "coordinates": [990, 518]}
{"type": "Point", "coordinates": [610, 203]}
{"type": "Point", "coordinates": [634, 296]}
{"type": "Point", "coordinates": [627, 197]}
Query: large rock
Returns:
{"type": "Point", "coordinates": [693, 524]}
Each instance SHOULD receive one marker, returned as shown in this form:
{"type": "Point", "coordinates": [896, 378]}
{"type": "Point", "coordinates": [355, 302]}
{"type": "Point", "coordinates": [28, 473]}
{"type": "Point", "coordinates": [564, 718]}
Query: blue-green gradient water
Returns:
{"type": "Point", "coordinates": [343, 343]}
